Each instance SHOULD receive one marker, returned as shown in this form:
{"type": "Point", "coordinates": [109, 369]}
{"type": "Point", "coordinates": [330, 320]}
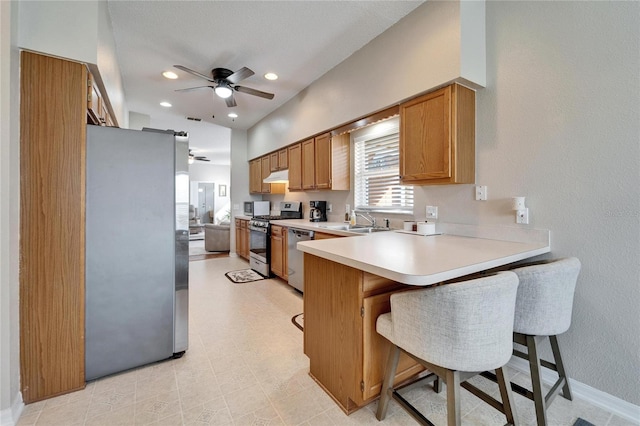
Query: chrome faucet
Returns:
{"type": "Point", "coordinates": [368, 218]}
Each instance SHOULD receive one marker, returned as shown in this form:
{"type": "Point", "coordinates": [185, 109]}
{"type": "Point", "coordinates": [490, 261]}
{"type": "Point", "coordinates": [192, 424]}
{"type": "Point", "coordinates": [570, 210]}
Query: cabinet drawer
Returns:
{"type": "Point", "coordinates": [278, 231]}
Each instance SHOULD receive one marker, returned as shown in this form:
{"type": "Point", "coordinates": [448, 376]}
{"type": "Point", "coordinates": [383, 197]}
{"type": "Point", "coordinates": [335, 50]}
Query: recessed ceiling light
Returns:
{"type": "Point", "coordinates": [271, 76]}
{"type": "Point", "coordinates": [165, 104]}
{"type": "Point", "coordinates": [232, 115]}
{"type": "Point", "coordinates": [170, 75]}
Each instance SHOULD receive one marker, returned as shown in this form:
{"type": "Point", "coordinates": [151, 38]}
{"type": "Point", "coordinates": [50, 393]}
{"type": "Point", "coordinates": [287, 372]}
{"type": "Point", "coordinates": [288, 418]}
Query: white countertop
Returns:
{"type": "Point", "coordinates": [425, 260]}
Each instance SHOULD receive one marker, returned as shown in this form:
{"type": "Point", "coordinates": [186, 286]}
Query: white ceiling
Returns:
{"type": "Point", "coordinates": [298, 40]}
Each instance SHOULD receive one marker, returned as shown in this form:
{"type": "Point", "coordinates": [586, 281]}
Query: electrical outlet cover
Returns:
{"type": "Point", "coordinates": [522, 216]}
{"type": "Point", "coordinates": [432, 212]}
{"type": "Point", "coordinates": [481, 193]}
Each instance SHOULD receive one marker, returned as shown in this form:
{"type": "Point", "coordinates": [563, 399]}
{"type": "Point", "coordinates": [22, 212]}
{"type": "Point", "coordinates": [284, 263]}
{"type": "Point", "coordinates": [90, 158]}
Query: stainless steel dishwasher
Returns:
{"type": "Point", "coordinates": [296, 257]}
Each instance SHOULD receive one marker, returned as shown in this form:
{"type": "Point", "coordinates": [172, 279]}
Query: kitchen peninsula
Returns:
{"type": "Point", "coordinates": [349, 281]}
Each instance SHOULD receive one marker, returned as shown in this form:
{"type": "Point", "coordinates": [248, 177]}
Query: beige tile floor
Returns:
{"type": "Point", "coordinates": [245, 366]}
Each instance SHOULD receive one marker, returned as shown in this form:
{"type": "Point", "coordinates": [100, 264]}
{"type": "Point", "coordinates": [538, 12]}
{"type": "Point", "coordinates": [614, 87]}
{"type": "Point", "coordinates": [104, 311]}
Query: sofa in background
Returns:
{"type": "Point", "coordinates": [217, 237]}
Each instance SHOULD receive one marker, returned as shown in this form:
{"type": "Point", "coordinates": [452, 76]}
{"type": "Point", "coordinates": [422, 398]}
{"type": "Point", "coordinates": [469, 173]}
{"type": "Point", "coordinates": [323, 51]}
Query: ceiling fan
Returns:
{"type": "Point", "coordinates": [193, 158]}
{"type": "Point", "coordinates": [224, 83]}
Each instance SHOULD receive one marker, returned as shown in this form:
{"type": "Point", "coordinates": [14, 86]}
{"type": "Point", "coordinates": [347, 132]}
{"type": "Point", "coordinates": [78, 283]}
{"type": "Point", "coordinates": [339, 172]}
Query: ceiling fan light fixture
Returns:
{"type": "Point", "coordinates": [271, 76]}
{"type": "Point", "coordinates": [170, 75]}
{"type": "Point", "coordinates": [165, 104]}
{"type": "Point", "coordinates": [232, 115]}
{"type": "Point", "coordinates": [223, 91]}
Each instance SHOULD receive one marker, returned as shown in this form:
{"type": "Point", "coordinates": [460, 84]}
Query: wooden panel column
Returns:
{"type": "Point", "coordinates": [53, 112]}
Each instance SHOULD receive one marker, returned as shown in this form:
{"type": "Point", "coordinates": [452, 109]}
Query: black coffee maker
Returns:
{"type": "Point", "coordinates": [318, 211]}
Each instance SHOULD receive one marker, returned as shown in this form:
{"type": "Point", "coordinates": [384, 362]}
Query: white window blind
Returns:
{"type": "Point", "coordinates": [377, 180]}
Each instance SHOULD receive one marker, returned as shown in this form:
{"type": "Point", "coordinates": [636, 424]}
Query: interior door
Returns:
{"type": "Point", "coordinates": [206, 199]}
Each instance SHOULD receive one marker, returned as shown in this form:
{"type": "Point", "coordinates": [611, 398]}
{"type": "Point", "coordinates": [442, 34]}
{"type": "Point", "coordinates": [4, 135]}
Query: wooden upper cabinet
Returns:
{"type": "Point", "coordinates": [309, 164]}
{"type": "Point", "coordinates": [437, 137]}
{"type": "Point", "coordinates": [295, 167]}
{"type": "Point", "coordinates": [283, 159]}
{"type": "Point", "coordinates": [339, 167]}
{"type": "Point", "coordinates": [97, 110]}
{"type": "Point", "coordinates": [266, 171]}
{"type": "Point", "coordinates": [259, 169]}
{"type": "Point", "coordinates": [255, 176]}
{"type": "Point", "coordinates": [94, 103]}
{"type": "Point", "coordinates": [279, 160]}
{"type": "Point", "coordinates": [273, 159]}
{"type": "Point", "coordinates": [325, 162]}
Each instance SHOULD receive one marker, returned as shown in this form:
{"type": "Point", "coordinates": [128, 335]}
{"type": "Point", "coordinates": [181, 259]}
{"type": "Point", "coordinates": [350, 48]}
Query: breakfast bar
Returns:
{"type": "Point", "coordinates": [349, 282]}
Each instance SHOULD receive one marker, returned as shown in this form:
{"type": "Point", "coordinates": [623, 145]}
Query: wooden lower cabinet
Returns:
{"type": "Point", "coordinates": [279, 264]}
{"type": "Point", "coordinates": [324, 236]}
{"type": "Point", "coordinates": [346, 355]}
{"type": "Point", "coordinates": [242, 238]}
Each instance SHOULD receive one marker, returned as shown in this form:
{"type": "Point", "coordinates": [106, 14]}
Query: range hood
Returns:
{"type": "Point", "coordinates": [281, 176]}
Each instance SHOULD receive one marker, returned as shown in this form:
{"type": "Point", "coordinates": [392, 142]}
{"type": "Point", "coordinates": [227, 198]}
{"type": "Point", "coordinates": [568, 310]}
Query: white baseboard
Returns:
{"type": "Point", "coordinates": [10, 416]}
{"type": "Point", "coordinates": [615, 405]}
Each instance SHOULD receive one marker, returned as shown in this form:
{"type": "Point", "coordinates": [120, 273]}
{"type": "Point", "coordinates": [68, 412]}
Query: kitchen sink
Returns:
{"type": "Point", "coordinates": [361, 229]}
{"type": "Point", "coordinates": [367, 229]}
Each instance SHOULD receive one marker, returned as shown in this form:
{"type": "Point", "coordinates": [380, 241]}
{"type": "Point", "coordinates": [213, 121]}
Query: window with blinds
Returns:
{"type": "Point", "coordinates": [377, 177]}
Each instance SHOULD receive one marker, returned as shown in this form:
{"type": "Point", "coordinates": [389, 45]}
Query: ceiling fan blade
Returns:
{"type": "Point", "coordinates": [202, 159]}
{"type": "Point", "coordinates": [192, 88]}
{"type": "Point", "coordinates": [240, 75]}
{"type": "Point", "coordinates": [196, 73]}
{"type": "Point", "coordinates": [231, 101]}
{"type": "Point", "coordinates": [254, 92]}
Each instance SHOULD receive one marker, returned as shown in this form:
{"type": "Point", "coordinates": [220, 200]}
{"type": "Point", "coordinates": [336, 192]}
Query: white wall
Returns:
{"type": "Point", "coordinates": [80, 31]}
{"type": "Point", "coordinates": [239, 177]}
{"type": "Point", "coordinates": [60, 28]}
{"type": "Point", "coordinates": [421, 51]}
{"type": "Point", "coordinates": [558, 123]}
{"type": "Point", "coordinates": [137, 121]}
{"type": "Point", "coordinates": [107, 65]}
{"type": "Point", "coordinates": [10, 399]}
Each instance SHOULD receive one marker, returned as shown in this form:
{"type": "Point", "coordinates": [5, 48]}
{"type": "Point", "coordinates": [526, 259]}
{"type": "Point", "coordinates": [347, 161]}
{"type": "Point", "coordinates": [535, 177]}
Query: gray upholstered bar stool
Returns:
{"type": "Point", "coordinates": [455, 331]}
{"type": "Point", "coordinates": [543, 310]}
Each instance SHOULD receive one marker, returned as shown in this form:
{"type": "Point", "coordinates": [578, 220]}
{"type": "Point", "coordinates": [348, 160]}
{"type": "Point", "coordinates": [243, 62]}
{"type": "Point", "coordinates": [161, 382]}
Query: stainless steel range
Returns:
{"type": "Point", "coordinates": [260, 236]}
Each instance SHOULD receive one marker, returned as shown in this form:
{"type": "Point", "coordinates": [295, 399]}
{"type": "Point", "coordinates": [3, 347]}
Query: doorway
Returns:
{"type": "Point", "coordinates": [203, 198]}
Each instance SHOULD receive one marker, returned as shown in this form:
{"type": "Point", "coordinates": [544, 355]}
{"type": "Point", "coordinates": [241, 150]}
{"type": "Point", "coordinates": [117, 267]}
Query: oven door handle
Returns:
{"type": "Point", "coordinates": [263, 230]}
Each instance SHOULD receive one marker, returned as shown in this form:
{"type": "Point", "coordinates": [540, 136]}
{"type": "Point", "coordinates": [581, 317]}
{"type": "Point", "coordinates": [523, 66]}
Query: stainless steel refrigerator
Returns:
{"type": "Point", "coordinates": [137, 248]}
